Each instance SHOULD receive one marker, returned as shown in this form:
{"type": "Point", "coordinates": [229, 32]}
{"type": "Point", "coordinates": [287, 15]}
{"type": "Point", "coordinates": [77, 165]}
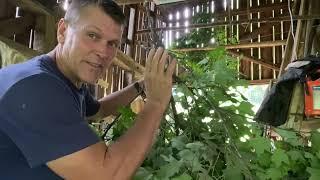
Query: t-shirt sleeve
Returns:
{"type": "Point", "coordinates": [44, 120]}
{"type": "Point", "coordinates": [92, 105]}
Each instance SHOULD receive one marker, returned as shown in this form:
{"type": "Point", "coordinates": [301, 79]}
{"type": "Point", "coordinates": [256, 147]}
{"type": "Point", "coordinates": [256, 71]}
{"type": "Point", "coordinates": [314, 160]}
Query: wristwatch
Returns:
{"type": "Point", "coordinates": [139, 89]}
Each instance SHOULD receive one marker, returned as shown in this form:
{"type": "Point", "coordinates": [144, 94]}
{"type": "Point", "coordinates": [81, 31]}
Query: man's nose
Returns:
{"type": "Point", "coordinates": [105, 51]}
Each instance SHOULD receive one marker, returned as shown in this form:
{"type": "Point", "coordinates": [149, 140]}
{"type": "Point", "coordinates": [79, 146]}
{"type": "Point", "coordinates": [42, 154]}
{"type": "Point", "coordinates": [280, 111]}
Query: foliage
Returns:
{"type": "Point", "coordinates": [207, 134]}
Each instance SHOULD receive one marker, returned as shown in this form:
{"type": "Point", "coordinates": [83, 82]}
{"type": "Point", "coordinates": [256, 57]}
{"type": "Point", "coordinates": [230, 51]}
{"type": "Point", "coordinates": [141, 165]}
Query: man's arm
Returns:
{"type": "Point", "coordinates": [121, 159]}
{"type": "Point", "coordinates": [110, 104]}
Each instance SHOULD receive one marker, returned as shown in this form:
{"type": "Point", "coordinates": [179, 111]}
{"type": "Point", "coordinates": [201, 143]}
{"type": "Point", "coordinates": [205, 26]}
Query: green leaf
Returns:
{"type": "Point", "coordinates": [184, 176]}
{"type": "Point", "coordinates": [265, 159]}
{"type": "Point", "coordinates": [178, 142]}
{"type": "Point", "coordinates": [169, 170]}
{"type": "Point", "coordinates": [233, 174]}
{"type": "Point", "coordinates": [315, 173]}
{"type": "Point", "coordinates": [290, 137]}
{"type": "Point", "coordinates": [262, 175]}
{"type": "Point", "coordinates": [142, 174]}
{"type": "Point", "coordinates": [207, 136]}
{"type": "Point", "coordinates": [195, 146]}
{"type": "Point", "coordinates": [318, 154]}
{"type": "Point", "coordinates": [203, 62]}
{"type": "Point", "coordinates": [167, 158]}
{"type": "Point", "coordinates": [314, 161]}
{"type": "Point", "coordinates": [186, 154]}
{"type": "Point", "coordinates": [279, 157]}
{"type": "Point", "coordinates": [204, 176]}
{"type": "Point", "coordinates": [296, 156]}
{"type": "Point", "coordinates": [315, 141]}
{"type": "Point", "coordinates": [246, 107]}
{"type": "Point", "coordinates": [260, 145]}
{"type": "Point", "coordinates": [274, 174]}
{"type": "Point", "coordinates": [309, 155]}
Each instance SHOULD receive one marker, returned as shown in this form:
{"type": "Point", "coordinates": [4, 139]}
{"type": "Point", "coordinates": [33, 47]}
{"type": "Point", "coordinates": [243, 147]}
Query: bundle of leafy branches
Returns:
{"type": "Point", "coordinates": [207, 133]}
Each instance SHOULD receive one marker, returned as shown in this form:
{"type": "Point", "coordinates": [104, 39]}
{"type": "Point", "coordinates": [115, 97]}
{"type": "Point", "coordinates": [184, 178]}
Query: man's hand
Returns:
{"type": "Point", "coordinates": [158, 79]}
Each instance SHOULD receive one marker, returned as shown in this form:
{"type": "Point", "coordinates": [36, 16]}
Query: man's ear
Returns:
{"type": "Point", "coordinates": [61, 31]}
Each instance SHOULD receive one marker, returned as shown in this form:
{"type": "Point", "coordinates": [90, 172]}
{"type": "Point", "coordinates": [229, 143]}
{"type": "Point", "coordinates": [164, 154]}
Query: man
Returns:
{"type": "Point", "coordinates": [43, 105]}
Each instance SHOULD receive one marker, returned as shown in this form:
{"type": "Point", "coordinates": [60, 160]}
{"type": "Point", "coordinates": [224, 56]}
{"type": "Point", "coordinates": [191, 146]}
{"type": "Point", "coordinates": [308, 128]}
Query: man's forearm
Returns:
{"type": "Point", "coordinates": [131, 148]}
{"type": "Point", "coordinates": [111, 103]}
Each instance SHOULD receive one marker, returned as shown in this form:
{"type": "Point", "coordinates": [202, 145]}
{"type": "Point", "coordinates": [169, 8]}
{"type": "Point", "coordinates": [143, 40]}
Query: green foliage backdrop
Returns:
{"type": "Point", "coordinates": [206, 134]}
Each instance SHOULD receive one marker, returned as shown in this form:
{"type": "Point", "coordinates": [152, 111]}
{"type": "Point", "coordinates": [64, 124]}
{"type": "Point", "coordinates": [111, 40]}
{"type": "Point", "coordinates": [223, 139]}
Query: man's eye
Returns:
{"type": "Point", "coordinates": [93, 36]}
{"type": "Point", "coordinates": [113, 44]}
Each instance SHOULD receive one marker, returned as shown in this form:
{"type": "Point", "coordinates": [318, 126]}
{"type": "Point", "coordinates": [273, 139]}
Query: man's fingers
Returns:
{"type": "Point", "coordinates": [171, 68]}
{"type": "Point", "coordinates": [163, 61]}
{"type": "Point", "coordinates": [155, 60]}
{"type": "Point", "coordinates": [149, 59]}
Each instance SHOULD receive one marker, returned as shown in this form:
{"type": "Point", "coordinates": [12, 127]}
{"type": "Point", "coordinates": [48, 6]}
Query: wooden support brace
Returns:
{"type": "Point", "coordinates": [137, 68]}
{"type": "Point", "coordinates": [254, 60]}
{"type": "Point", "coordinates": [237, 46]}
{"type": "Point", "coordinates": [259, 82]}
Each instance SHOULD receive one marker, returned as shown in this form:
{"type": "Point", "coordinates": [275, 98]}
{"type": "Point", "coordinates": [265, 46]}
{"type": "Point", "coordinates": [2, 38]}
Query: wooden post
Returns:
{"type": "Point", "coordinates": [277, 35]}
{"type": "Point", "coordinates": [310, 31]}
{"type": "Point", "coordinates": [289, 45]}
{"type": "Point", "coordinates": [109, 80]}
{"type": "Point", "coordinates": [244, 66]}
{"type": "Point", "coordinates": [256, 30]}
{"type": "Point", "coordinates": [297, 50]}
{"type": "Point", "coordinates": [296, 108]}
{"type": "Point", "coordinates": [266, 53]}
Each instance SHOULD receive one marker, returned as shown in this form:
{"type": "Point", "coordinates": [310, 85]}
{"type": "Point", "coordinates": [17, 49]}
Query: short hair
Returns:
{"type": "Point", "coordinates": [108, 6]}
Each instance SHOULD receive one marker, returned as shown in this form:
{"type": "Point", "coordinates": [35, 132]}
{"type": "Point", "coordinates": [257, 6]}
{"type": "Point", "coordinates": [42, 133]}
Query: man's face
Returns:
{"type": "Point", "coordinates": [88, 45]}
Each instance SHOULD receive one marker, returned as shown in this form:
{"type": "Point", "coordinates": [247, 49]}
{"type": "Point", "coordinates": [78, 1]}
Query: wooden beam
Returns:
{"type": "Point", "coordinates": [289, 45]}
{"type": "Point", "coordinates": [256, 32]}
{"type": "Point", "coordinates": [15, 25]}
{"type": "Point", "coordinates": [261, 8]}
{"type": "Point", "coordinates": [254, 60]}
{"type": "Point", "coordinates": [260, 82]}
{"type": "Point", "coordinates": [224, 23]}
{"type": "Point", "coordinates": [127, 2]}
{"type": "Point", "coordinates": [238, 46]}
{"type": "Point", "coordinates": [257, 44]}
{"type": "Point", "coordinates": [134, 66]}
{"type": "Point", "coordinates": [116, 61]}
{"type": "Point", "coordinates": [32, 6]}
{"type": "Point", "coordinates": [240, 12]}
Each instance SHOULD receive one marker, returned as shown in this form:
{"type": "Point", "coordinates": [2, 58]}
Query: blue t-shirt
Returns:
{"type": "Point", "coordinates": [42, 118]}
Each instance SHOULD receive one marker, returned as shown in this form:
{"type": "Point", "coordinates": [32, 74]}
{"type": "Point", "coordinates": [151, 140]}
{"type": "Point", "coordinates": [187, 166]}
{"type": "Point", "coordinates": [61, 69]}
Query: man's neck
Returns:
{"type": "Point", "coordinates": [55, 54]}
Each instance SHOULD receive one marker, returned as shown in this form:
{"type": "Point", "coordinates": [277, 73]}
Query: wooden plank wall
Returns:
{"type": "Point", "coordinates": [28, 30]}
{"type": "Point", "coordinates": [253, 22]}
{"type": "Point", "coordinates": [133, 45]}
{"type": "Point", "coordinates": [260, 26]}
